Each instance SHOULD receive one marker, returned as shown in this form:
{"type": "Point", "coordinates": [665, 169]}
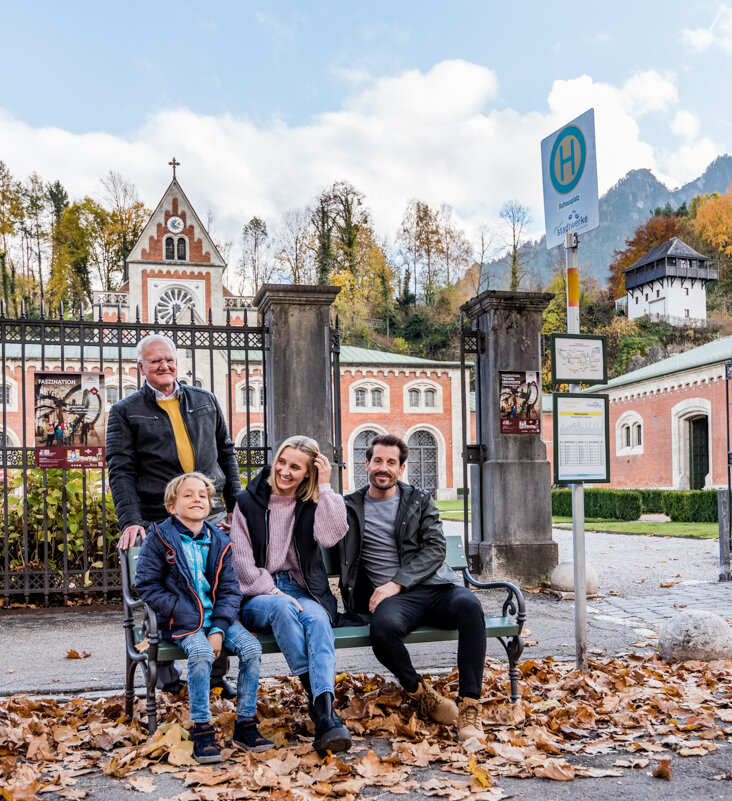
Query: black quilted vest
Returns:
{"type": "Point", "coordinates": [253, 503]}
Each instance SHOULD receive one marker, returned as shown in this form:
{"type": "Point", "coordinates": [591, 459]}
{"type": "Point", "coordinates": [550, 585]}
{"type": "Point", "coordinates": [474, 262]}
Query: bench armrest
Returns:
{"type": "Point", "coordinates": [514, 603]}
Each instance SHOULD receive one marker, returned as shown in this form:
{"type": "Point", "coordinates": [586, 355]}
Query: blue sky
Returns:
{"type": "Point", "coordinates": [265, 104]}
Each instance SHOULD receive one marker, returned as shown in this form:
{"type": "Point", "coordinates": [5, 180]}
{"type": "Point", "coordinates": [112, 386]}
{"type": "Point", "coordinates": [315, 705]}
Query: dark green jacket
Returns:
{"type": "Point", "coordinates": [420, 542]}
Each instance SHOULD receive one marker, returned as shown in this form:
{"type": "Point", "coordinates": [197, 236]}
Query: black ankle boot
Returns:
{"type": "Point", "coordinates": [331, 734]}
{"type": "Point", "coordinates": [305, 681]}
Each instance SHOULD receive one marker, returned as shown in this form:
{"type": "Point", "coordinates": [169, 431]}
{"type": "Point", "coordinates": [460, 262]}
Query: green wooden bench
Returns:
{"type": "Point", "coordinates": [506, 627]}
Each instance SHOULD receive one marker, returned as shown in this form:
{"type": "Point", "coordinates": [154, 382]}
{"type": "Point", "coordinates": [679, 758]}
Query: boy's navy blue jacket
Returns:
{"type": "Point", "coordinates": [164, 580]}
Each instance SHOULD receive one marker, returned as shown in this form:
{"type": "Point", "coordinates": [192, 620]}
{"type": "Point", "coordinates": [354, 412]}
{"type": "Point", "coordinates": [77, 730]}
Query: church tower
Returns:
{"type": "Point", "coordinates": [173, 268]}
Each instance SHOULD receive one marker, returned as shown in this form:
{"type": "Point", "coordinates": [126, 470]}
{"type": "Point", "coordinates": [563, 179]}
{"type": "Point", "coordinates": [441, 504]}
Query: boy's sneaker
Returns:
{"type": "Point", "coordinates": [247, 736]}
{"type": "Point", "coordinates": [432, 704]}
{"type": "Point", "coordinates": [204, 743]}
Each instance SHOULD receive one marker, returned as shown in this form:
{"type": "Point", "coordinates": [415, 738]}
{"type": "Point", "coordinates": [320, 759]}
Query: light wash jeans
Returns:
{"type": "Point", "coordinates": [305, 638]}
{"type": "Point", "coordinates": [200, 658]}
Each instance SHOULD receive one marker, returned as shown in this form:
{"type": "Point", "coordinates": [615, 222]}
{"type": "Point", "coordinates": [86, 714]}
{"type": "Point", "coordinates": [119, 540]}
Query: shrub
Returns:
{"type": "Point", "coordinates": [652, 500]}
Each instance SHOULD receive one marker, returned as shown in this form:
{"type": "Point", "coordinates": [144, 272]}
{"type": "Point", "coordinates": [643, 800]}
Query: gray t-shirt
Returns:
{"type": "Point", "coordinates": [379, 552]}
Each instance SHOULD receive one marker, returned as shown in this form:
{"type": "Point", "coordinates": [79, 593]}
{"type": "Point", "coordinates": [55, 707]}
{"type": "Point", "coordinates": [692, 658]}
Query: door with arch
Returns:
{"type": "Point", "coordinates": [360, 444]}
{"type": "Point", "coordinates": [698, 452]}
{"type": "Point", "coordinates": [422, 462]}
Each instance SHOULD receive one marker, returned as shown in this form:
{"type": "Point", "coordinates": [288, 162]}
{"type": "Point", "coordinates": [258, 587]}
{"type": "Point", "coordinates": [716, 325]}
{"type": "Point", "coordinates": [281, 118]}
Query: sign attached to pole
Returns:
{"type": "Point", "coordinates": [581, 438]}
{"type": "Point", "coordinates": [578, 358]}
{"type": "Point", "coordinates": [569, 170]}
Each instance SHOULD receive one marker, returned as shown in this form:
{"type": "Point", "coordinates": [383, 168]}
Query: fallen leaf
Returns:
{"type": "Point", "coordinates": [72, 654]}
{"type": "Point", "coordinates": [662, 769]}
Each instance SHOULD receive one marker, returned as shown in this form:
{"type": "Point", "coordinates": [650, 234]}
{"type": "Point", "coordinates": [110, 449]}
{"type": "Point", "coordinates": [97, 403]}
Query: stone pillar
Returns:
{"type": "Point", "coordinates": [298, 376]}
{"type": "Point", "coordinates": [515, 537]}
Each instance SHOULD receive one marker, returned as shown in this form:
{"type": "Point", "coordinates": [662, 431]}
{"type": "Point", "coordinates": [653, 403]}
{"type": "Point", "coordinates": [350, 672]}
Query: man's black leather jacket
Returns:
{"type": "Point", "coordinates": [142, 456]}
{"type": "Point", "coordinates": [420, 542]}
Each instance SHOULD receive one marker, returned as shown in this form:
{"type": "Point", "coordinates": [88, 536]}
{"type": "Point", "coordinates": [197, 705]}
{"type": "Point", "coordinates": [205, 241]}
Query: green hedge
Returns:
{"type": "Point", "coordinates": [698, 506]}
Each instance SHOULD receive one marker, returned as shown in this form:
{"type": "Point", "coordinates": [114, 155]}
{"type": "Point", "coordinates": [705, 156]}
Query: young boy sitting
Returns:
{"type": "Point", "coordinates": [184, 573]}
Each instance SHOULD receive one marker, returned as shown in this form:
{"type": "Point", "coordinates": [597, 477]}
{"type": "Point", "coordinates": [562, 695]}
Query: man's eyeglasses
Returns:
{"type": "Point", "coordinates": [159, 362]}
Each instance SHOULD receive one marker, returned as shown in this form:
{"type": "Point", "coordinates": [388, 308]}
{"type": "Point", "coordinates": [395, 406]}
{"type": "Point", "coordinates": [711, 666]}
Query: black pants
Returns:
{"type": "Point", "coordinates": [444, 606]}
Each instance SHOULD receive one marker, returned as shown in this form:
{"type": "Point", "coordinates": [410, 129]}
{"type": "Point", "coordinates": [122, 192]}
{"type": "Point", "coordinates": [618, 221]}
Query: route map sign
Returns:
{"type": "Point", "coordinates": [569, 170]}
{"type": "Point", "coordinates": [581, 438]}
{"type": "Point", "coordinates": [578, 359]}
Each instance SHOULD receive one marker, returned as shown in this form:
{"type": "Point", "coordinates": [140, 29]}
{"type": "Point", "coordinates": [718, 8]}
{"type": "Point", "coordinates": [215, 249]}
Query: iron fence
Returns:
{"type": "Point", "coordinates": [58, 525]}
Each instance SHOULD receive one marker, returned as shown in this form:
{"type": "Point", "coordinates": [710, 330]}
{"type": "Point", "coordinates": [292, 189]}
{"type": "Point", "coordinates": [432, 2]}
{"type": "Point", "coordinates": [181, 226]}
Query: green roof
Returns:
{"type": "Point", "coordinates": [720, 350]}
{"type": "Point", "coordinates": [353, 355]}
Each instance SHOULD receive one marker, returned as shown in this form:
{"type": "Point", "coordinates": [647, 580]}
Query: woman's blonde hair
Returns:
{"type": "Point", "coordinates": [172, 491]}
{"type": "Point", "coordinates": [308, 489]}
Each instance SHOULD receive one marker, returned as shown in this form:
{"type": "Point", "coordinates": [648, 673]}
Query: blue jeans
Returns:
{"type": "Point", "coordinates": [305, 638]}
{"type": "Point", "coordinates": [200, 658]}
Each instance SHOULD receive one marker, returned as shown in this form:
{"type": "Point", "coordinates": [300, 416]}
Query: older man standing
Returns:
{"type": "Point", "coordinates": [162, 430]}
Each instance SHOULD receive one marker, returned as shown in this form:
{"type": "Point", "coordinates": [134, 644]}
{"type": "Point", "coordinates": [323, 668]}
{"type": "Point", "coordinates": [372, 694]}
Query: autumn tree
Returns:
{"type": "Point", "coordinates": [295, 247]}
{"type": "Point", "coordinates": [418, 242]}
{"type": "Point", "coordinates": [70, 279]}
{"type": "Point", "coordinates": [516, 219]}
{"type": "Point", "coordinates": [256, 263]}
{"type": "Point", "coordinates": [455, 248]}
{"type": "Point", "coordinates": [127, 218]}
{"type": "Point", "coordinates": [654, 231]}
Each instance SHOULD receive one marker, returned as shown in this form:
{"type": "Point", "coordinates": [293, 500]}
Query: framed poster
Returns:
{"type": "Point", "coordinates": [581, 438]}
{"type": "Point", "coordinates": [519, 402]}
{"type": "Point", "coordinates": [69, 419]}
{"type": "Point", "coordinates": [578, 359]}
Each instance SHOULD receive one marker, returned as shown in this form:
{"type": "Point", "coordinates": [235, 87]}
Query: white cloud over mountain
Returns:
{"type": "Point", "coordinates": [442, 136]}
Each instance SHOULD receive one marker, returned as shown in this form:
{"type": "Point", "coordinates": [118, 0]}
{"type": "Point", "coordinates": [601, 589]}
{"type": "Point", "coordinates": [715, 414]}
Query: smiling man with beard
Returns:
{"type": "Point", "coordinates": [393, 566]}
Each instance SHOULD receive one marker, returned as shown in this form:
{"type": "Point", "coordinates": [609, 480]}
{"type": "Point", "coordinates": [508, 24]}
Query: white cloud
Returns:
{"type": "Point", "coordinates": [440, 136]}
{"type": "Point", "coordinates": [685, 124]}
{"type": "Point", "coordinates": [717, 35]}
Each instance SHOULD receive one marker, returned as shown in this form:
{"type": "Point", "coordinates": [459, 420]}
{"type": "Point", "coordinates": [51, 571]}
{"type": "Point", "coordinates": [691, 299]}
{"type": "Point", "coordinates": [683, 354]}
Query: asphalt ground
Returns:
{"type": "Point", "coordinates": [643, 581]}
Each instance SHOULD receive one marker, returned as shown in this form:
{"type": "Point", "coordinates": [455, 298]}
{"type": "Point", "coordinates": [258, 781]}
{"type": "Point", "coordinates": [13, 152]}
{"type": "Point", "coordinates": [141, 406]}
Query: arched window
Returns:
{"type": "Point", "coordinates": [360, 397]}
{"type": "Point", "coordinates": [422, 462]}
{"type": "Point", "coordinates": [414, 397]}
{"type": "Point", "coordinates": [169, 248]}
{"type": "Point", "coordinates": [429, 398]}
{"type": "Point", "coordinates": [626, 436]}
{"type": "Point", "coordinates": [112, 395]}
{"type": "Point", "coordinates": [197, 383]}
{"type": "Point", "coordinates": [182, 249]}
{"type": "Point", "coordinates": [254, 440]}
{"type": "Point", "coordinates": [130, 391]}
{"type": "Point", "coordinates": [377, 398]}
{"type": "Point", "coordinates": [360, 444]}
{"type": "Point", "coordinates": [4, 394]}
{"type": "Point", "coordinates": [637, 434]}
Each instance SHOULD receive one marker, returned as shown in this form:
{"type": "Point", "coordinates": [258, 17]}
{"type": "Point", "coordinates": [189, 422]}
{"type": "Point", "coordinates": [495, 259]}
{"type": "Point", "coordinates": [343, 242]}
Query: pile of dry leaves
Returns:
{"type": "Point", "coordinates": [635, 705]}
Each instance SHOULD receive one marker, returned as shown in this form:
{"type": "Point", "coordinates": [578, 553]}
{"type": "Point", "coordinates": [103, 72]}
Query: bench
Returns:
{"type": "Point", "coordinates": [506, 627]}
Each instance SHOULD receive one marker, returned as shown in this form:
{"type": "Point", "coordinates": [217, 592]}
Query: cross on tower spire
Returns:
{"type": "Point", "coordinates": [174, 164]}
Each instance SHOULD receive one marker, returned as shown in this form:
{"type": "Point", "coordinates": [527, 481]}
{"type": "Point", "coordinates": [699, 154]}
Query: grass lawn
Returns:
{"type": "Point", "coordinates": [451, 510]}
{"type": "Point", "coordinates": [702, 531]}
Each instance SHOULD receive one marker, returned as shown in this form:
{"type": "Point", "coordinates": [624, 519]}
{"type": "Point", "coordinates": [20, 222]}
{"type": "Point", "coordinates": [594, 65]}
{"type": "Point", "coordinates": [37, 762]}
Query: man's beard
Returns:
{"type": "Point", "coordinates": [373, 481]}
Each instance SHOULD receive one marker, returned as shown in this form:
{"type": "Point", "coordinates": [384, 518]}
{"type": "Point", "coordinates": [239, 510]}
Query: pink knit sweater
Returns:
{"type": "Point", "coordinates": [330, 526]}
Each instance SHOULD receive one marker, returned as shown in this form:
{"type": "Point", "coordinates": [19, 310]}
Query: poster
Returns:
{"type": "Point", "coordinates": [581, 438]}
{"type": "Point", "coordinates": [69, 419]}
{"type": "Point", "coordinates": [520, 403]}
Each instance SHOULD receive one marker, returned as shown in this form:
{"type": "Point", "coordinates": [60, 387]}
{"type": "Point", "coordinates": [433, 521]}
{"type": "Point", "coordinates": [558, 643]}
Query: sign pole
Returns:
{"type": "Point", "coordinates": [578, 489]}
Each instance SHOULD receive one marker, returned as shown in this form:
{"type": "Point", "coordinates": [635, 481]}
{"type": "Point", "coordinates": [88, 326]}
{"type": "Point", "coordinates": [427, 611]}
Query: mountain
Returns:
{"type": "Point", "coordinates": [622, 208]}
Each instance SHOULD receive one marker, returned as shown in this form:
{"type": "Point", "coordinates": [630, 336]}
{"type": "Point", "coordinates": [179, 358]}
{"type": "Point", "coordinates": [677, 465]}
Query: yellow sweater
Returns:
{"type": "Point", "coordinates": [187, 458]}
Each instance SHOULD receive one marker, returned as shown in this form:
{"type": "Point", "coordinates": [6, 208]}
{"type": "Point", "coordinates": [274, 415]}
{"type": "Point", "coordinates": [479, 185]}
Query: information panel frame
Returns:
{"type": "Point", "coordinates": [579, 342]}
{"type": "Point", "coordinates": [582, 442]}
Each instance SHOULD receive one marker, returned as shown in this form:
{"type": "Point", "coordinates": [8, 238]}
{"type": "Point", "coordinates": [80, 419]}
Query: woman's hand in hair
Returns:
{"type": "Point", "coordinates": [322, 465]}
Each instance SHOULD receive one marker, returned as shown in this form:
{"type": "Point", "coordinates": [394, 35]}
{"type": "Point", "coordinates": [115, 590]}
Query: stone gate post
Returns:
{"type": "Point", "coordinates": [299, 393]}
{"type": "Point", "coordinates": [514, 482]}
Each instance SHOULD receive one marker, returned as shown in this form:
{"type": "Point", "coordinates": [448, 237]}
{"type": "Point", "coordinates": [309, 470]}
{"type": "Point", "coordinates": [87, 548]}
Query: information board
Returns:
{"type": "Point", "coordinates": [581, 438]}
{"type": "Point", "coordinates": [578, 359]}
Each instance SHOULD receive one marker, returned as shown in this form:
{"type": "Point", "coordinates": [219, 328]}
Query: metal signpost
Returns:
{"type": "Point", "coordinates": [569, 170]}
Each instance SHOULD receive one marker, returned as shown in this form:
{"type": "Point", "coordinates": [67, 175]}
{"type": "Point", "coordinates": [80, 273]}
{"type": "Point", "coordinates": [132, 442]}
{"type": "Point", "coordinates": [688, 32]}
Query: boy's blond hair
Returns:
{"type": "Point", "coordinates": [172, 491]}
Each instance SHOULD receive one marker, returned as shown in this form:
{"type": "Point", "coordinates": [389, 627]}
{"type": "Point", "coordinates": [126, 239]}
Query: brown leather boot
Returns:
{"type": "Point", "coordinates": [470, 719]}
{"type": "Point", "coordinates": [432, 704]}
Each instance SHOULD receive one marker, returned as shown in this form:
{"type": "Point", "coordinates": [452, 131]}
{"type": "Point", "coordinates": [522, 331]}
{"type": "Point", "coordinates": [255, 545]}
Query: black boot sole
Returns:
{"type": "Point", "coordinates": [335, 740]}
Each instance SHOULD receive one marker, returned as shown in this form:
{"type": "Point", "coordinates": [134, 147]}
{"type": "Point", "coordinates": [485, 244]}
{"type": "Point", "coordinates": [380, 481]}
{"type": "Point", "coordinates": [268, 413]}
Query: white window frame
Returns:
{"type": "Point", "coordinates": [368, 385]}
{"type": "Point", "coordinates": [629, 420]}
{"type": "Point", "coordinates": [421, 385]}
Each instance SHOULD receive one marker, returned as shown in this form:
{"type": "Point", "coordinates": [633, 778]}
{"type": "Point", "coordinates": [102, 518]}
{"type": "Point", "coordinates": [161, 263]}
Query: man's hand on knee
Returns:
{"type": "Point", "coordinates": [129, 536]}
{"type": "Point", "coordinates": [383, 592]}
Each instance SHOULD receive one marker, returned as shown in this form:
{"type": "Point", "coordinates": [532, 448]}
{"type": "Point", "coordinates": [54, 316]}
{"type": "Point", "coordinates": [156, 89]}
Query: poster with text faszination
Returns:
{"type": "Point", "coordinates": [69, 419]}
{"type": "Point", "coordinates": [581, 438]}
